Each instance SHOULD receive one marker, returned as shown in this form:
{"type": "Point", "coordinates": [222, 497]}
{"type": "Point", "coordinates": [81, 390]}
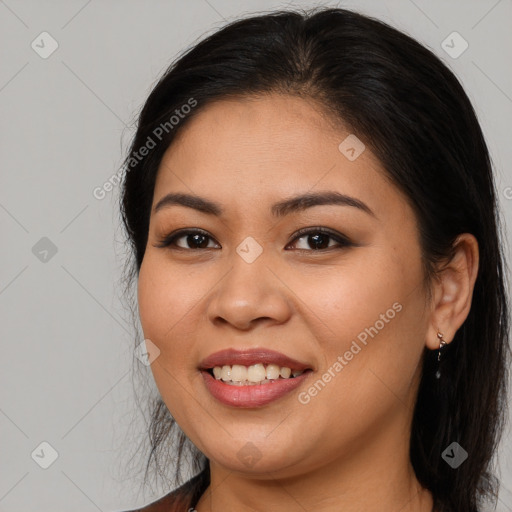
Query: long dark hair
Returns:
{"type": "Point", "coordinates": [410, 109]}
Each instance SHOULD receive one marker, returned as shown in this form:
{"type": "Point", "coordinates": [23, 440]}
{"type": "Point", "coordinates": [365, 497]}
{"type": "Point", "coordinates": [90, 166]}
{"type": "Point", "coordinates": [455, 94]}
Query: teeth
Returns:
{"type": "Point", "coordinates": [226, 373]}
{"type": "Point", "coordinates": [273, 371]}
{"type": "Point", "coordinates": [285, 372]}
{"type": "Point", "coordinates": [254, 374]}
{"type": "Point", "coordinates": [238, 373]}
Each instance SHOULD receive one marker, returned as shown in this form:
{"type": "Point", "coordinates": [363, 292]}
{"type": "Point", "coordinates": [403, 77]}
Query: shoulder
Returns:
{"type": "Point", "coordinates": [178, 499]}
{"type": "Point", "coordinates": [165, 504]}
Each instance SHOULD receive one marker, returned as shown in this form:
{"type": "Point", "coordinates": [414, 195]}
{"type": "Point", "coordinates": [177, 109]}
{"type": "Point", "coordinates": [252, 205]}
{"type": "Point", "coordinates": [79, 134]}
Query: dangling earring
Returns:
{"type": "Point", "coordinates": [442, 343]}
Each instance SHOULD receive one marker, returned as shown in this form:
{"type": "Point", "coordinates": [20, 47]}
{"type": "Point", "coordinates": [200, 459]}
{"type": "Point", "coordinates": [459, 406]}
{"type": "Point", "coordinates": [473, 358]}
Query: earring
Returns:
{"type": "Point", "coordinates": [442, 343]}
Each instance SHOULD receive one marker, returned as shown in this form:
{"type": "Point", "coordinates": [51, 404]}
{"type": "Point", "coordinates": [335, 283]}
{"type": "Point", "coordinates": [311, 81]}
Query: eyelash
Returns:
{"type": "Point", "coordinates": [168, 241]}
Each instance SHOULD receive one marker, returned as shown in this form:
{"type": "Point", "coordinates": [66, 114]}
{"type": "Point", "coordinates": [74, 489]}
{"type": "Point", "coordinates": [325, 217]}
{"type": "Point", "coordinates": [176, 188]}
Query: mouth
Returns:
{"type": "Point", "coordinates": [251, 378]}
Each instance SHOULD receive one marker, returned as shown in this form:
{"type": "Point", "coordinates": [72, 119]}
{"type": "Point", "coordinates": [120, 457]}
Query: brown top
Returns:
{"type": "Point", "coordinates": [178, 500]}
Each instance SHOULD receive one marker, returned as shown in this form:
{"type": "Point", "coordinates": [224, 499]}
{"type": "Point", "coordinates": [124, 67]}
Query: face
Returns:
{"type": "Point", "coordinates": [345, 299]}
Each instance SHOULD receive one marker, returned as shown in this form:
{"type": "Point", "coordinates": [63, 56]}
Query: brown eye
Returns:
{"type": "Point", "coordinates": [193, 239]}
{"type": "Point", "coordinates": [318, 239]}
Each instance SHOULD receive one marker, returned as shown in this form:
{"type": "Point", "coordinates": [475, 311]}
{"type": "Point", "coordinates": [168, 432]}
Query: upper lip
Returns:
{"type": "Point", "coordinates": [249, 357]}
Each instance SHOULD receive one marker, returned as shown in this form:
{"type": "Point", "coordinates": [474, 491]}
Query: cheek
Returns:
{"type": "Point", "coordinates": [163, 306]}
{"type": "Point", "coordinates": [165, 298]}
{"type": "Point", "coordinates": [370, 315]}
{"type": "Point", "coordinates": [149, 297]}
{"type": "Point", "coordinates": [347, 299]}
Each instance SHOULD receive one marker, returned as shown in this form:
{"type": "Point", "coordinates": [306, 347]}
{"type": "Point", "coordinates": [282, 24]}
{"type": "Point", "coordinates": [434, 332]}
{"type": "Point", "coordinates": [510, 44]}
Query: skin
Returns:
{"type": "Point", "coordinates": [348, 448]}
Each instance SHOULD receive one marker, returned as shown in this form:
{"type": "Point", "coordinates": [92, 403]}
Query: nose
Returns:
{"type": "Point", "coordinates": [249, 294]}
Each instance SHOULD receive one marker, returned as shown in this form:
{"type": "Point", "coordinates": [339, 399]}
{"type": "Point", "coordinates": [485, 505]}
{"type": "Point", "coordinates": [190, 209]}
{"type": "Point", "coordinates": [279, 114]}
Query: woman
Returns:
{"type": "Point", "coordinates": [315, 235]}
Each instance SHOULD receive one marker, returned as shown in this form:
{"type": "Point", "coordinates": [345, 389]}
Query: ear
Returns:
{"type": "Point", "coordinates": [453, 291]}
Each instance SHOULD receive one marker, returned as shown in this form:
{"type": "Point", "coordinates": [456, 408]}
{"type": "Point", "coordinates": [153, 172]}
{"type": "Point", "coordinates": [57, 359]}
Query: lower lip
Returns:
{"type": "Point", "coordinates": [251, 396]}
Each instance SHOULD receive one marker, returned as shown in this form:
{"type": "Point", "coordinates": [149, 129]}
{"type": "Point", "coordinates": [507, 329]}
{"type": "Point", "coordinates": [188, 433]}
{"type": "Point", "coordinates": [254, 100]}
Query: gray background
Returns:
{"type": "Point", "coordinates": [67, 344]}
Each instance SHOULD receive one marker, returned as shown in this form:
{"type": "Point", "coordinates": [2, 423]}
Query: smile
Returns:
{"type": "Point", "coordinates": [251, 378]}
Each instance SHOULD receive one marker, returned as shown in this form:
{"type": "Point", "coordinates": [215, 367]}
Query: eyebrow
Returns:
{"type": "Point", "coordinates": [280, 209]}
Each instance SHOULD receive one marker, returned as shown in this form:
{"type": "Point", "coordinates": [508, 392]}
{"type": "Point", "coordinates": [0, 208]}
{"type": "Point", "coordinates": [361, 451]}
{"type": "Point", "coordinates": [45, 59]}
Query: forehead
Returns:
{"type": "Point", "coordinates": [270, 126]}
{"type": "Point", "coordinates": [270, 147]}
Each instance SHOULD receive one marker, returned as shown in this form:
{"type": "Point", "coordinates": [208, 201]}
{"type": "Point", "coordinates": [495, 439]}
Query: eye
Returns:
{"type": "Point", "coordinates": [197, 238]}
{"type": "Point", "coordinates": [316, 237]}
